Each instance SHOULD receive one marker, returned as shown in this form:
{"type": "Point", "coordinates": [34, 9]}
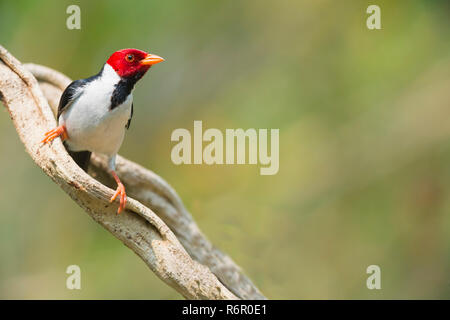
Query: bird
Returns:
{"type": "Point", "coordinates": [94, 113]}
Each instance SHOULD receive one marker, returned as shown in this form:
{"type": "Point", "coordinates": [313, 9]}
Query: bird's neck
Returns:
{"type": "Point", "coordinates": [108, 74]}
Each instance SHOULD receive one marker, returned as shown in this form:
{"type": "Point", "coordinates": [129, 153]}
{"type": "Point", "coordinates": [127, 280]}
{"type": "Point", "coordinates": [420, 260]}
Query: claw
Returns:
{"type": "Point", "coordinates": [119, 191]}
{"type": "Point", "coordinates": [123, 197]}
{"type": "Point", "coordinates": [55, 133]}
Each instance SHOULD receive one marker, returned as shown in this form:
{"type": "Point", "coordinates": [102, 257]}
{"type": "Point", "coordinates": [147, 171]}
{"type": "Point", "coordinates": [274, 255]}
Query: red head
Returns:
{"type": "Point", "coordinates": [132, 62]}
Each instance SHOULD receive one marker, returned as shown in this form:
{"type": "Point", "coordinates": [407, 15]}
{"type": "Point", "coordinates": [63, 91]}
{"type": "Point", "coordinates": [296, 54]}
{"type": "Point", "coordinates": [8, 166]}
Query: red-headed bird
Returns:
{"type": "Point", "coordinates": [93, 113]}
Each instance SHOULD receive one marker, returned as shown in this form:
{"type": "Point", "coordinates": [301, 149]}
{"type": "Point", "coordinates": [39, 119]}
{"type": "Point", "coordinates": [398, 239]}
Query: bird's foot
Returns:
{"type": "Point", "coordinates": [55, 133]}
{"type": "Point", "coordinates": [123, 197]}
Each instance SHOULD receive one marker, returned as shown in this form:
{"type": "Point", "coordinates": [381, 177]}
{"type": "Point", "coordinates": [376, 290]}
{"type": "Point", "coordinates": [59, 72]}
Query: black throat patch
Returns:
{"type": "Point", "coordinates": [123, 88]}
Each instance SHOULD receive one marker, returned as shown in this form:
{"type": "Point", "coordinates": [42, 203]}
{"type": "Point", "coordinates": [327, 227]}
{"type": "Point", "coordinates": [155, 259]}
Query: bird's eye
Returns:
{"type": "Point", "coordinates": [129, 57]}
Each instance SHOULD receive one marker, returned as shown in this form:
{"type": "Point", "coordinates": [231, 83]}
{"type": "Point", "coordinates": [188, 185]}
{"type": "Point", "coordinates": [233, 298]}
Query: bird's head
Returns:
{"type": "Point", "coordinates": [132, 62]}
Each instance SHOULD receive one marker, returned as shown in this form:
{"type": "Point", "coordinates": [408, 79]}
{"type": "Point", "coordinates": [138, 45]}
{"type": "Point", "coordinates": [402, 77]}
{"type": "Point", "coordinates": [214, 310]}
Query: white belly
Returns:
{"type": "Point", "coordinates": [90, 123]}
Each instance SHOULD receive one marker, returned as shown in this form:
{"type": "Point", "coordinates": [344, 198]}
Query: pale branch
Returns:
{"type": "Point", "coordinates": [154, 192]}
{"type": "Point", "coordinates": [138, 227]}
{"type": "Point", "coordinates": [142, 184]}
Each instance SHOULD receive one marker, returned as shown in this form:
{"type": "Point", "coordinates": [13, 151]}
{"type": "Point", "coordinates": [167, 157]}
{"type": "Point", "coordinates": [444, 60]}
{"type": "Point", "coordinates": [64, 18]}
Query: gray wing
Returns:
{"type": "Point", "coordinates": [67, 98]}
{"type": "Point", "coordinates": [69, 95]}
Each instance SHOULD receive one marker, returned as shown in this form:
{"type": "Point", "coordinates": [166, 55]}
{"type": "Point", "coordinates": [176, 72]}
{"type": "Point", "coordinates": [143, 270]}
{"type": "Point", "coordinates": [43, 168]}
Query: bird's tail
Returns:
{"type": "Point", "coordinates": [82, 158]}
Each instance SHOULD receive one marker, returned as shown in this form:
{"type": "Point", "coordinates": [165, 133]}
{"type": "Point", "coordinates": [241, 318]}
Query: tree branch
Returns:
{"type": "Point", "coordinates": [138, 227]}
{"type": "Point", "coordinates": [144, 233]}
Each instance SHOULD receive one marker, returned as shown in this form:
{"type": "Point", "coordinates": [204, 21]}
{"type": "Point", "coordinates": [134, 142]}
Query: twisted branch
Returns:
{"type": "Point", "coordinates": [147, 234]}
{"type": "Point", "coordinates": [139, 228]}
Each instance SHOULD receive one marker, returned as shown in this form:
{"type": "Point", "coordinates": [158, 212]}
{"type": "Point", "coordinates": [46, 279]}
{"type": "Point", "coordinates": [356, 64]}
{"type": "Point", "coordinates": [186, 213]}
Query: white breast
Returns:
{"type": "Point", "coordinates": [90, 123]}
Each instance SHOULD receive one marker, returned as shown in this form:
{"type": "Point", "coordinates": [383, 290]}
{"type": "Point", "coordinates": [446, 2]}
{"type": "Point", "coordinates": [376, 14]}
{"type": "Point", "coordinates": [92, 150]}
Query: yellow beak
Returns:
{"type": "Point", "coordinates": [151, 59]}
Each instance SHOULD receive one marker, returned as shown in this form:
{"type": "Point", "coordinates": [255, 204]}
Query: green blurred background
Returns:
{"type": "Point", "coordinates": [364, 119]}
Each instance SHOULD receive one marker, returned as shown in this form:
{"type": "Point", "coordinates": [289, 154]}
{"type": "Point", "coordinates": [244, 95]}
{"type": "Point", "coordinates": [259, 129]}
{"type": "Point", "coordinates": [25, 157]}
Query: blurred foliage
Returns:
{"type": "Point", "coordinates": [364, 119]}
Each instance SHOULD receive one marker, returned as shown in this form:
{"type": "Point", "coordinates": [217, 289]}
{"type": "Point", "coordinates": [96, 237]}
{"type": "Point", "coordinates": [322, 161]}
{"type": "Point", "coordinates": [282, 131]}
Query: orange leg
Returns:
{"type": "Point", "coordinates": [55, 133]}
{"type": "Point", "coordinates": [119, 191]}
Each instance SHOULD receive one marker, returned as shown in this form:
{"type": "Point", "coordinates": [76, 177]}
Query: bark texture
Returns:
{"type": "Point", "coordinates": [155, 223]}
